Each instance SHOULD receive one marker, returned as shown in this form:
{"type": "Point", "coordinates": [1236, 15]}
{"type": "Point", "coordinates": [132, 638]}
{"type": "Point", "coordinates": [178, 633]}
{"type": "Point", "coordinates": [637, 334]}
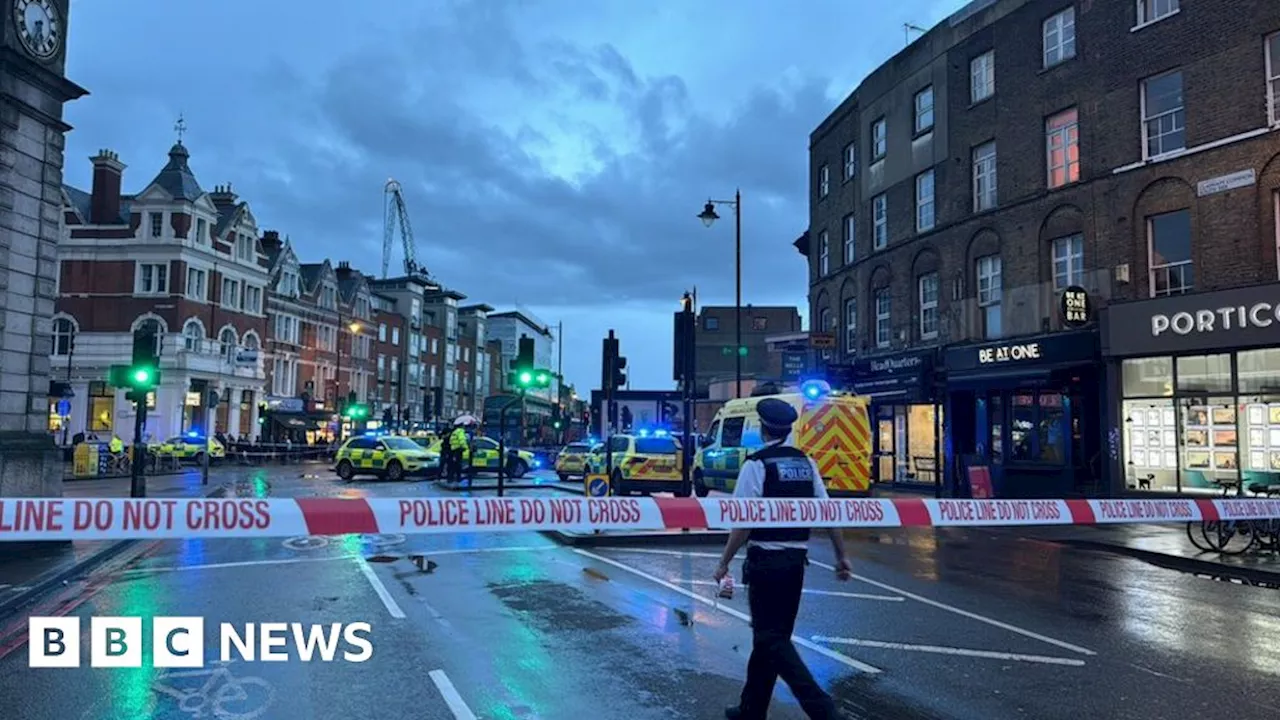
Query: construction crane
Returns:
{"type": "Point", "coordinates": [397, 213]}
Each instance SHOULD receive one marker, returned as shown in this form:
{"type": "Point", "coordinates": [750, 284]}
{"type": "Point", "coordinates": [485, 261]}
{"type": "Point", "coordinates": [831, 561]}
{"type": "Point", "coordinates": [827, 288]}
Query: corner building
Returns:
{"type": "Point", "coordinates": [1026, 158]}
{"type": "Point", "coordinates": [182, 261]}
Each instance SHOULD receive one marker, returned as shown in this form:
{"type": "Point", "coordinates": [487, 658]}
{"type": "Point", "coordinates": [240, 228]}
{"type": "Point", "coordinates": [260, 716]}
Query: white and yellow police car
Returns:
{"type": "Point", "coordinates": [390, 457]}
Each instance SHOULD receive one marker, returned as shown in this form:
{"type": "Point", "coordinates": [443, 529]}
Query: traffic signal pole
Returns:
{"type": "Point", "coordinates": [137, 480]}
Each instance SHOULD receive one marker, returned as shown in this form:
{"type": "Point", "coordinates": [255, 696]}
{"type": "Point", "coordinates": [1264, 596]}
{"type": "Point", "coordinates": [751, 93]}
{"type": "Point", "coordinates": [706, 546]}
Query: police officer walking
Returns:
{"type": "Point", "coordinates": [774, 569]}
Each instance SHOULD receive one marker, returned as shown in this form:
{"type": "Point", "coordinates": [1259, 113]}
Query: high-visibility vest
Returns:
{"type": "Point", "coordinates": [117, 446]}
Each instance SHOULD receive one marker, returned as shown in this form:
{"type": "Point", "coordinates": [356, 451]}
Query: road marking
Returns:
{"type": "Point", "coordinates": [965, 613]}
{"type": "Point", "coordinates": [940, 650]}
{"type": "Point", "coordinates": [832, 593]}
{"type": "Point", "coordinates": [451, 696]}
{"type": "Point", "coordinates": [237, 564]}
{"type": "Point", "coordinates": [383, 594]}
{"type": "Point", "coordinates": [466, 551]}
{"type": "Point", "coordinates": [827, 652]}
{"type": "Point", "coordinates": [918, 598]}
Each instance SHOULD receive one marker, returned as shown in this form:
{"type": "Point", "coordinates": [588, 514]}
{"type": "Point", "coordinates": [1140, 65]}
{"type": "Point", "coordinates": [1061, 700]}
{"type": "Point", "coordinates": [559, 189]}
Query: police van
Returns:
{"type": "Point", "coordinates": [832, 428]}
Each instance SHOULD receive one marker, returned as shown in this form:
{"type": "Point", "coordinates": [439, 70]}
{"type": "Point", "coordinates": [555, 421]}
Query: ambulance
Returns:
{"type": "Point", "coordinates": [833, 428]}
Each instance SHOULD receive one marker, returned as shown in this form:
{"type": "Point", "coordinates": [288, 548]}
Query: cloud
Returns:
{"type": "Point", "coordinates": [551, 153]}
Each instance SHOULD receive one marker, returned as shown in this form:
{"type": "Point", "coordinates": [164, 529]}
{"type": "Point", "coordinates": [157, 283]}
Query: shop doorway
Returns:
{"type": "Point", "coordinates": [907, 445]}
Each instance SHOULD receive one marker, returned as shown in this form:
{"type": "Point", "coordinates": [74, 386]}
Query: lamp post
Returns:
{"type": "Point", "coordinates": [354, 327]}
{"type": "Point", "coordinates": [708, 217]}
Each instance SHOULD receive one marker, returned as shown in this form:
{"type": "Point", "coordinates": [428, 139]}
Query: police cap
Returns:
{"type": "Point", "coordinates": [776, 414]}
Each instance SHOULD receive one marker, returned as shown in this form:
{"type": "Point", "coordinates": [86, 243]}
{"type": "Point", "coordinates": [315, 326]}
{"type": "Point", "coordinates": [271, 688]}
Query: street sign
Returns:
{"type": "Point", "coordinates": [822, 341]}
{"type": "Point", "coordinates": [793, 365]}
{"type": "Point", "coordinates": [597, 486]}
{"type": "Point", "coordinates": [64, 407]}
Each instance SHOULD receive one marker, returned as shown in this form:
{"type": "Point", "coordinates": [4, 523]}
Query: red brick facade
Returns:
{"type": "Point", "coordinates": [1217, 45]}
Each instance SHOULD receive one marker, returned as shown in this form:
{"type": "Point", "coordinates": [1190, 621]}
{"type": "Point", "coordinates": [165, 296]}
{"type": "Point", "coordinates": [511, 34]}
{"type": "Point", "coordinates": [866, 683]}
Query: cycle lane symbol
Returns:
{"type": "Point", "coordinates": [215, 692]}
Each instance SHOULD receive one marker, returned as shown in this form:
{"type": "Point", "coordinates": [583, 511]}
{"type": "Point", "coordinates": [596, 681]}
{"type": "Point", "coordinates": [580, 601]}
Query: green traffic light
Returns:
{"type": "Point", "coordinates": [525, 378]}
{"type": "Point", "coordinates": [141, 375]}
{"type": "Point", "coordinates": [543, 379]}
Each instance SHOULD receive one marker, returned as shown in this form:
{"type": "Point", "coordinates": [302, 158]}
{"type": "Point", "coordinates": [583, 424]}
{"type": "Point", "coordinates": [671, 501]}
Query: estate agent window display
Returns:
{"type": "Point", "coordinates": [1201, 424]}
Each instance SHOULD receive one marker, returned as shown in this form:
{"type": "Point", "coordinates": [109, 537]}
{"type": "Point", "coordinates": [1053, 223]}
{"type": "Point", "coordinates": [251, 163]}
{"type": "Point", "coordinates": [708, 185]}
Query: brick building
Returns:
{"type": "Point", "coordinates": [173, 257]}
{"type": "Point", "coordinates": [473, 357]}
{"type": "Point", "coordinates": [389, 352]}
{"type": "Point", "coordinates": [1126, 153]}
{"type": "Point", "coordinates": [714, 340]}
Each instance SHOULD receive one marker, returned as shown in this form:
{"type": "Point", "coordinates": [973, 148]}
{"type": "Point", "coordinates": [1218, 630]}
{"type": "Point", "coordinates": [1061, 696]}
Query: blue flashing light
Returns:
{"type": "Point", "coordinates": [537, 463]}
{"type": "Point", "coordinates": [644, 432]}
{"type": "Point", "coordinates": [193, 434]}
{"type": "Point", "coordinates": [659, 433]}
{"type": "Point", "coordinates": [814, 389]}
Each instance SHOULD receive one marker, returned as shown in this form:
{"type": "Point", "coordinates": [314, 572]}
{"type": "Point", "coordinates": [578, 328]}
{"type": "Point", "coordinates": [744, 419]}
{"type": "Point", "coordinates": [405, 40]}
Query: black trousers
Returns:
{"type": "Point", "coordinates": [453, 465]}
{"type": "Point", "coordinates": [775, 579]}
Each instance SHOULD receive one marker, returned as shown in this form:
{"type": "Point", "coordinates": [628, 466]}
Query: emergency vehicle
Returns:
{"type": "Point", "coordinates": [484, 456]}
{"type": "Point", "coordinates": [642, 463]}
{"type": "Point", "coordinates": [189, 447]}
{"type": "Point", "coordinates": [572, 460]}
{"type": "Point", "coordinates": [390, 457]}
{"type": "Point", "coordinates": [833, 428]}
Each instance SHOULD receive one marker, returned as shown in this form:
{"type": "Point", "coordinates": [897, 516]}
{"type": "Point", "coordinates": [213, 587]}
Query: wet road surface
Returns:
{"type": "Point", "coordinates": [937, 624]}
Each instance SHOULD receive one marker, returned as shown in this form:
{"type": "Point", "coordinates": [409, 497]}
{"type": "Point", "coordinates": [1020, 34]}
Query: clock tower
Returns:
{"type": "Point", "coordinates": [33, 90]}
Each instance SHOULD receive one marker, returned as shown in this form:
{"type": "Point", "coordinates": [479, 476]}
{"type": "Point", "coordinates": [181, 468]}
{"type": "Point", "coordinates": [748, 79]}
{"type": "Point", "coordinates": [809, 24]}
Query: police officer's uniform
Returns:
{"type": "Point", "coordinates": [774, 571]}
{"type": "Point", "coordinates": [454, 445]}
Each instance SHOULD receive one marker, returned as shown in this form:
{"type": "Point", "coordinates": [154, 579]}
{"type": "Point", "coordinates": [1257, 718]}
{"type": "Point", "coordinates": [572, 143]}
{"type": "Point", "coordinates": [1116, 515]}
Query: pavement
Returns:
{"type": "Point", "coordinates": [937, 624]}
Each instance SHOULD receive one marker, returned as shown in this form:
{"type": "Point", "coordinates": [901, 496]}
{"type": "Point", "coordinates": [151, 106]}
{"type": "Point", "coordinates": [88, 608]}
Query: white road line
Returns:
{"type": "Point", "coordinates": [451, 696]}
{"type": "Point", "coordinates": [238, 564]}
{"type": "Point", "coordinates": [965, 613]}
{"type": "Point", "coordinates": [827, 652]}
{"type": "Point", "coordinates": [940, 650]}
{"type": "Point", "coordinates": [383, 594]}
{"type": "Point", "coordinates": [918, 598]}
{"type": "Point", "coordinates": [832, 593]}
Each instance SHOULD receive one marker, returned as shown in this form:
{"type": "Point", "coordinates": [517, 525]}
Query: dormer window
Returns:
{"type": "Point", "coordinates": [244, 247]}
{"type": "Point", "coordinates": [328, 297]}
{"type": "Point", "coordinates": [202, 231]}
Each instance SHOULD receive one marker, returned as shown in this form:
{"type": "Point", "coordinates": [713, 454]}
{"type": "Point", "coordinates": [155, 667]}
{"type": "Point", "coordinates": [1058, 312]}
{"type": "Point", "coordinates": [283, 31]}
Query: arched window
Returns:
{"type": "Point", "coordinates": [228, 340]}
{"type": "Point", "coordinates": [155, 327]}
{"type": "Point", "coordinates": [192, 335]}
{"type": "Point", "coordinates": [64, 336]}
{"type": "Point", "coordinates": [250, 341]}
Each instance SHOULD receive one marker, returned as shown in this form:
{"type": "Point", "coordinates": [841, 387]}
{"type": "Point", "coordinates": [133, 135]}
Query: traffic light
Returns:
{"type": "Point", "coordinates": [142, 375]}
{"type": "Point", "coordinates": [557, 424]}
{"type": "Point", "coordinates": [356, 411]}
{"type": "Point", "coordinates": [619, 372]}
{"type": "Point", "coordinates": [532, 378]}
{"type": "Point", "coordinates": [524, 356]}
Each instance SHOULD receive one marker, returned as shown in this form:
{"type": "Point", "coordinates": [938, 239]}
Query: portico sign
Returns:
{"type": "Point", "coordinates": [1258, 315]}
{"type": "Point", "coordinates": [1215, 321]}
{"type": "Point", "coordinates": [1007, 353]}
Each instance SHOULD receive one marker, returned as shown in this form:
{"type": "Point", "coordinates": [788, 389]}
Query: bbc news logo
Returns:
{"type": "Point", "coordinates": [179, 642]}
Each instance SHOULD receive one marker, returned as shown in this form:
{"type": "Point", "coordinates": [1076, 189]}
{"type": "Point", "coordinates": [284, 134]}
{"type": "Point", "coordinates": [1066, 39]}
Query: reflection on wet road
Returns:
{"type": "Point", "coordinates": [954, 624]}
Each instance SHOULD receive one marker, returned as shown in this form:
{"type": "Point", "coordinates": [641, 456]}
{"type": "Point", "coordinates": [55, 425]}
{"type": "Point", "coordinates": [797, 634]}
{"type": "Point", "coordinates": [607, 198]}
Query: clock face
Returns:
{"type": "Point", "coordinates": [39, 27]}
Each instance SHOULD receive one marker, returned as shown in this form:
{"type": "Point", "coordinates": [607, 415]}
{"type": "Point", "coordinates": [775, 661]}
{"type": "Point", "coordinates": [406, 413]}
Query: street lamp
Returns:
{"type": "Point", "coordinates": [708, 217]}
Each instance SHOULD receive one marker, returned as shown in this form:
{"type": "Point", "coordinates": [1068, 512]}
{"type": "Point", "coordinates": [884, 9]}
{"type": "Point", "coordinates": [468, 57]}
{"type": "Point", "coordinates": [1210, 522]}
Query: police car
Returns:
{"type": "Point", "coordinates": [643, 463]}
{"type": "Point", "coordinates": [390, 457]}
{"type": "Point", "coordinates": [190, 447]}
{"type": "Point", "coordinates": [572, 460]}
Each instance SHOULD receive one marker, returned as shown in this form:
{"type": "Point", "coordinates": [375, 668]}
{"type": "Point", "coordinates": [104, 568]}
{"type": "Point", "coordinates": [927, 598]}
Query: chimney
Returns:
{"type": "Point", "coordinates": [104, 205]}
{"type": "Point", "coordinates": [223, 195]}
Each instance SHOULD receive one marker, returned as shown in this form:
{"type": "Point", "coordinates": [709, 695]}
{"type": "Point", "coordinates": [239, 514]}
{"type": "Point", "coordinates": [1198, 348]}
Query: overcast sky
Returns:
{"type": "Point", "coordinates": [553, 153]}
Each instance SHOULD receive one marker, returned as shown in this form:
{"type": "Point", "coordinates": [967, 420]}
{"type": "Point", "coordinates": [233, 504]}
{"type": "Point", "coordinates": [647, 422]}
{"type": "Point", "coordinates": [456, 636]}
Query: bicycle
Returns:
{"type": "Point", "coordinates": [1219, 534]}
{"type": "Point", "coordinates": [223, 695]}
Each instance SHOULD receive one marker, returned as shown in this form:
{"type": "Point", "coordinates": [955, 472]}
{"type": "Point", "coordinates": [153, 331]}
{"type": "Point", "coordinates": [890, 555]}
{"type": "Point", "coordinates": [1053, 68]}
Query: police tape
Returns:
{"type": "Point", "coordinates": [26, 519]}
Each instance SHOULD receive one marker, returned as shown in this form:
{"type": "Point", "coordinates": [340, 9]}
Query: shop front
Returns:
{"type": "Point", "coordinates": [1196, 387]}
{"type": "Point", "coordinates": [1029, 409]}
{"type": "Point", "coordinates": [906, 417]}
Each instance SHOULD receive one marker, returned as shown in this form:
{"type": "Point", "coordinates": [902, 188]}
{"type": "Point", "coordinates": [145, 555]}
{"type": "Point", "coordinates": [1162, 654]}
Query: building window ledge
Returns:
{"type": "Point", "coordinates": [1194, 150]}
{"type": "Point", "coordinates": [1149, 23]}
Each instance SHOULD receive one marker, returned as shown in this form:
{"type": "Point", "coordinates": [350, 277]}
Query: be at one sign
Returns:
{"type": "Point", "coordinates": [1075, 306]}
